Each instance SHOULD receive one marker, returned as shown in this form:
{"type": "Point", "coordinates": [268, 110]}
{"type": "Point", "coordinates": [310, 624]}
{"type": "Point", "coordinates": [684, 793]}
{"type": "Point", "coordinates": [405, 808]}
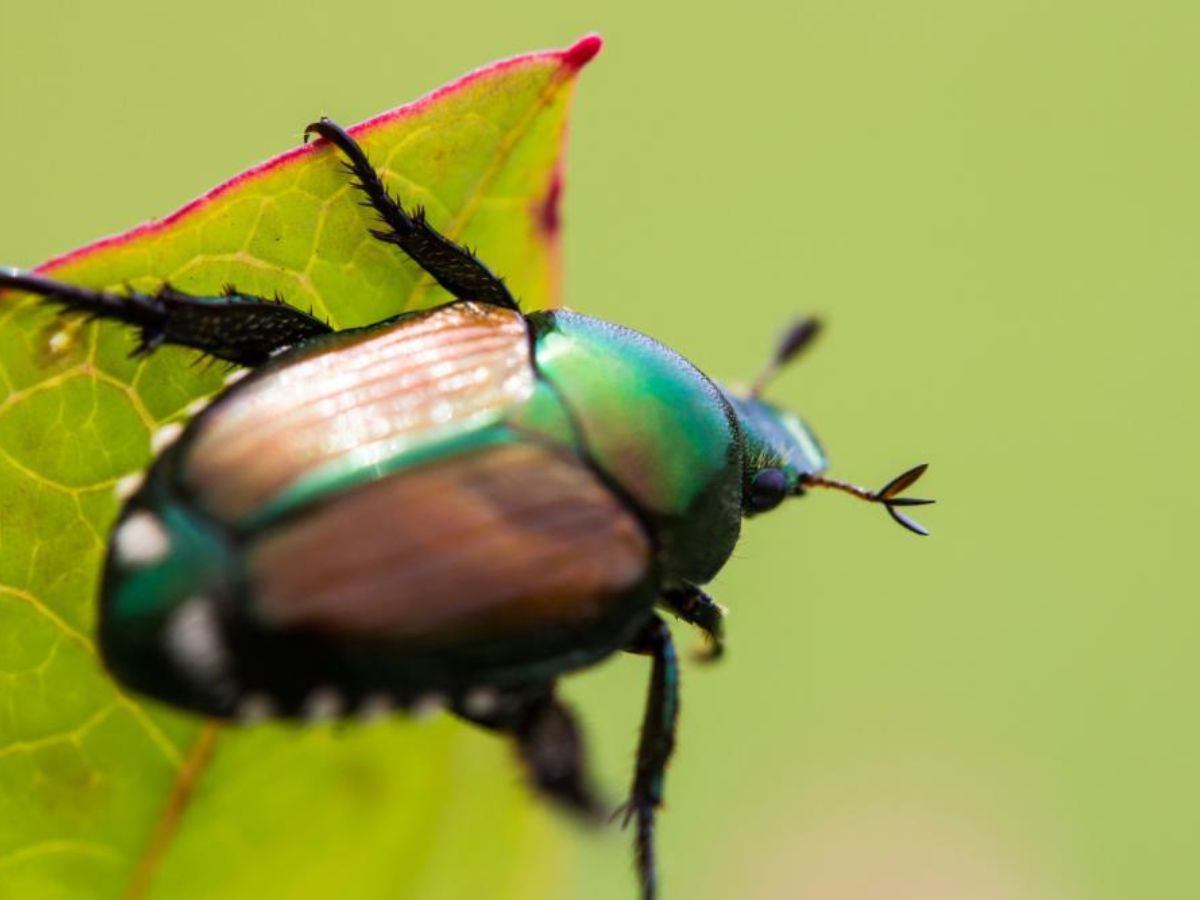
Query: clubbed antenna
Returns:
{"type": "Point", "coordinates": [888, 495]}
{"type": "Point", "coordinates": [798, 336]}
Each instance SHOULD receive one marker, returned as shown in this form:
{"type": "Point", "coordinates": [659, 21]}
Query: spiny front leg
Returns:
{"type": "Point", "coordinates": [697, 608]}
{"type": "Point", "coordinates": [655, 746]}
{"type": "Point", "coordinates": [453, 267]}
{"type": "Point", "coordinates": [239, 328]}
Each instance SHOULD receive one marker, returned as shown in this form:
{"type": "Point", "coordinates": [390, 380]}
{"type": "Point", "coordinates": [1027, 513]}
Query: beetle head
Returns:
{"type": "Point", "coordinates": [784, 458]}
{"type": "Point", "coordinates": [781, 452]}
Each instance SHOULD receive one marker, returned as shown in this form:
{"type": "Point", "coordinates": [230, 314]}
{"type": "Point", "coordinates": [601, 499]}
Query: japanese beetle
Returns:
{"type": "Point", "coordinates": [454, 506]}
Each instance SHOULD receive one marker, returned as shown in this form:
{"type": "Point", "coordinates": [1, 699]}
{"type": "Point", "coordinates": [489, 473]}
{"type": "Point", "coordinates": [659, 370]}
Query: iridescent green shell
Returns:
{"type": "Point", "coordinates": [658, 427]}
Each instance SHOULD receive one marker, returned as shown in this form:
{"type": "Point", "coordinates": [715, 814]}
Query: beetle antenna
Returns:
{"type": "Point", "coordinates": [795, 339]}
{"type": "Point", "coordinates": [888, 495]}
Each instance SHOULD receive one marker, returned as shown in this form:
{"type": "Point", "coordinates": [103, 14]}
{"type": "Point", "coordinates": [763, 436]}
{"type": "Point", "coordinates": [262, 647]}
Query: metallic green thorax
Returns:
{"type": "Point", "coordinates": [658, 428]}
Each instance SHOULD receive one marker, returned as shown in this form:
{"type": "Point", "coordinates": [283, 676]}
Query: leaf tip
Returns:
{"type": "Point", "coordinates": [582, 51]}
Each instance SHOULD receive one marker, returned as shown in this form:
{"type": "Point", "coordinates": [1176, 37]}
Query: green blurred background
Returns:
{"type": "Point", "coordinates": [996, 206]}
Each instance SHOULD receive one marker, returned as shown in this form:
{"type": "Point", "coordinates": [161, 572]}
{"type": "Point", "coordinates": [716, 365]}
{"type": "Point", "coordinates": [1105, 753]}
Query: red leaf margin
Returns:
{"type": "Point", "coordinates": [572, 58]}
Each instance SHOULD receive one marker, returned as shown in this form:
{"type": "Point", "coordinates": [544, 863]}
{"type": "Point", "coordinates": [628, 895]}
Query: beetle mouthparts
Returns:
{"type": "Point", "coordinates": [888, 495]}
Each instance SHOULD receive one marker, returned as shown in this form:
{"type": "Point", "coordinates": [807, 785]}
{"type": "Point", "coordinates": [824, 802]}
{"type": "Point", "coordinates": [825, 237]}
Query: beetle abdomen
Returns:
{"type": "Point", "coordinates": [518, 537]}
{"type": "Point", "coordinates": [355, 405]}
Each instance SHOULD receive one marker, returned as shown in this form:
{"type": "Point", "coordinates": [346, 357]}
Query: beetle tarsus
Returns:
{"type": "Point", "coordinates": [452, 266]}
{"type": "Point", "coordinates": [696, 607]}
{"type": "Point", "coordinates": [238, 328]}
{"type": "Point", "coordinates": [654, 747]}
{"type": "Point", "coordinates": [647, 863]}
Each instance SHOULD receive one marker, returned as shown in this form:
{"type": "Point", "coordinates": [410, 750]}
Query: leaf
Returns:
{"type": "Point", "coordinates": [105, 795]}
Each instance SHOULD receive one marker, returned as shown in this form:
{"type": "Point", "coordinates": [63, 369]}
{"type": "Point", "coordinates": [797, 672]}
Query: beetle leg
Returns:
{"type": "Point", "coordinates": [239, 328]}
{"type": "Point", "coordinates": [697, 608]}
{"type": "Point", "coordinates": [453, 266]}
{"type": "Point", "coordinates": [550, 745]}
{"type": "Point", "coordinates": [655, 745]}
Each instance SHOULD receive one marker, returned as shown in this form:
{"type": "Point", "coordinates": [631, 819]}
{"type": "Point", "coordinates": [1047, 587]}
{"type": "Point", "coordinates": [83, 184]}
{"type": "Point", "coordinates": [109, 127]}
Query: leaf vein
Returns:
{"type": "Point", "coordinates": [93, 849]}
{"type": "Point", "coordinates": [74, 735]}
{"type": "Point", "coordinates": [168, 822]}
{"type": "Point", "coordinates": [58, 621]}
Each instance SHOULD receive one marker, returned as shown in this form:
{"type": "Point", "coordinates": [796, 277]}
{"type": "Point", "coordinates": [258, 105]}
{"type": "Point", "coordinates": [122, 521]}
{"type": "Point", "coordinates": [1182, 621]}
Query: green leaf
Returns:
{"type": "Point", "coordinates": [105, 795]}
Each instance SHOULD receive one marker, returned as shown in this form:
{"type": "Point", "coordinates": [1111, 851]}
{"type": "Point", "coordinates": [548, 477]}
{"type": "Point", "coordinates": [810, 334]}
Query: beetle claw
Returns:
{"type": "Point", "coordinates": [624, 813]}
{"type": "Point", "coordinates": [709, 653]}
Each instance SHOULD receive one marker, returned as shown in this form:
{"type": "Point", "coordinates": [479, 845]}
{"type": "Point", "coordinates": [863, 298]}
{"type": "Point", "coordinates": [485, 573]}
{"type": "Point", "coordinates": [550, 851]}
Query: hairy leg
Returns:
{"type": "Point", "coordinates": [238, 328]}
{"type": "Point", "coordinates": [655, 746]}
{"type": "Point", "coordinates": [454, 267]}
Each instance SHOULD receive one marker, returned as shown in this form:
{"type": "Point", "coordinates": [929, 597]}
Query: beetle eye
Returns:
{"type": "Point", "coordinates": [768, 490]}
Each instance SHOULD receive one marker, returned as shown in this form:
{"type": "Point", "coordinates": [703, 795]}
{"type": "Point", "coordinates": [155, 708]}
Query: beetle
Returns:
{"type": "Point", "coordinates": [454, 506]}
